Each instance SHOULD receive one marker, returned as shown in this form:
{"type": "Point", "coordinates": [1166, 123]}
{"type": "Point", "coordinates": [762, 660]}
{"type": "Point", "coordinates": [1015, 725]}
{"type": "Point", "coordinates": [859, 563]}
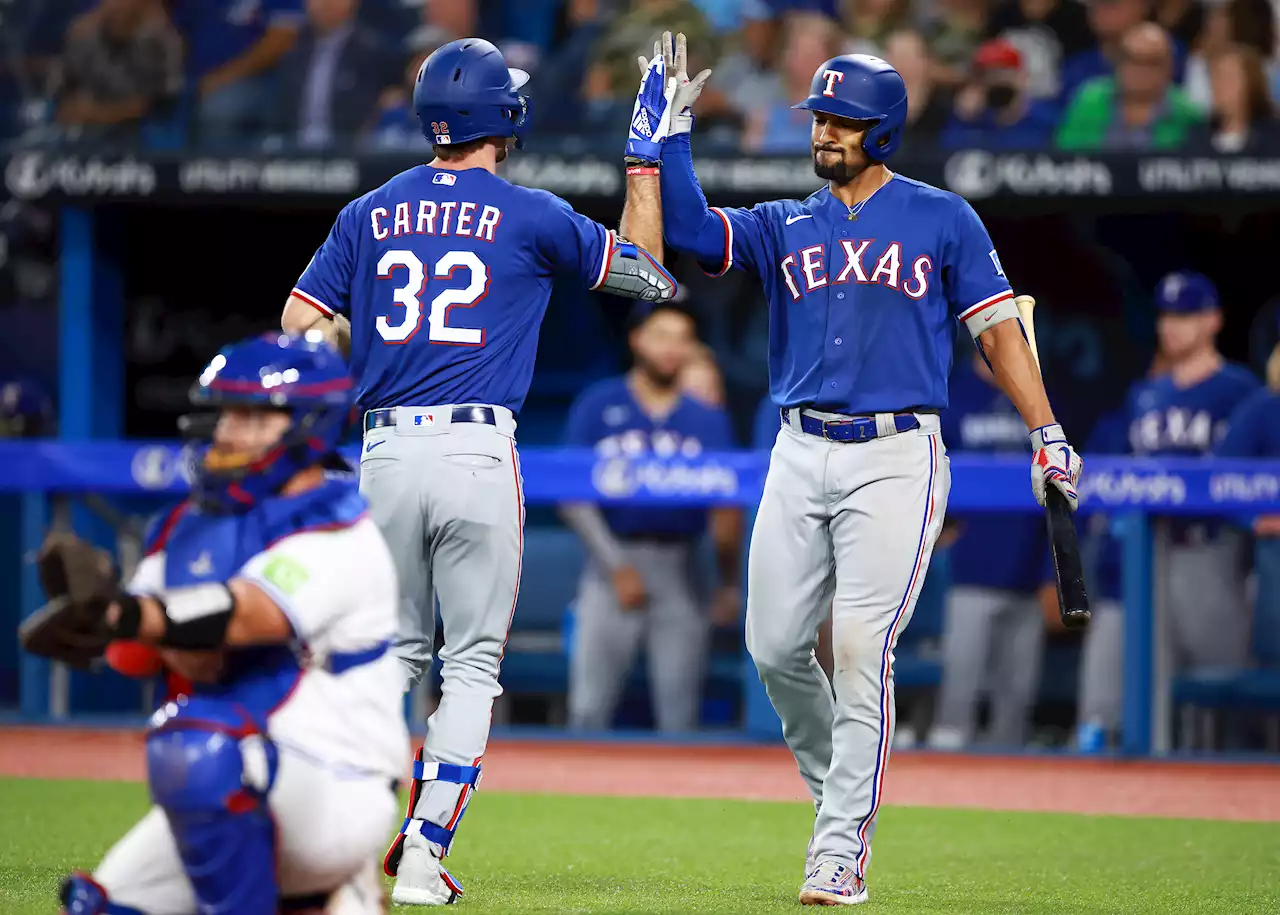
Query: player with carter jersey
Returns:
{"type": "Point", "coordinates": [274, 781]}
{"type": "Point", "coordinates": [866, 280]}
{"type": "Point", "coordinates": [437, 282]}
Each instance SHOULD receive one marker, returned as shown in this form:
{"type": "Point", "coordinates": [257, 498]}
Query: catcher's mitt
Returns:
{"type": "Point", "coordinates": [81, 582]}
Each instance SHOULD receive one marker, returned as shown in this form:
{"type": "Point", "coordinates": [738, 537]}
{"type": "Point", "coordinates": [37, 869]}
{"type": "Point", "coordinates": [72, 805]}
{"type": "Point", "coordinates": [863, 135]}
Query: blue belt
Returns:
{"type": "Point", "coordinates": [854, 429]}
{"type": "Point", "coordinates": [386, 416]}
{"type": "Point", "coordinates": [340, 662]}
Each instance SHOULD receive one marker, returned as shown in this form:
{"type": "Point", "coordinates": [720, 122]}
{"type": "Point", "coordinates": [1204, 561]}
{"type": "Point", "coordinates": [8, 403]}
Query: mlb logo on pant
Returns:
{"type": "Point", "coordinates": [424, 419]}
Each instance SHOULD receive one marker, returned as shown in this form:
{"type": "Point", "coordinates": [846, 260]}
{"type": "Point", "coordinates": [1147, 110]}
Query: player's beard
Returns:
{"type": "Point", "coordinates": [843, 171]}
{"type": "Point", "coordinates": [659, 379]}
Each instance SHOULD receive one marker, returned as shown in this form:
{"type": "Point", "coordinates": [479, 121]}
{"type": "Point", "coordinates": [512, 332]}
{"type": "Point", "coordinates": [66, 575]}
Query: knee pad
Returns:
{"type": "Point", "coordinates": [210, 771]}
{"type": "Point", "coordinates": [80, 894]}
{"type": "Point", "coordinates": [423, 772]}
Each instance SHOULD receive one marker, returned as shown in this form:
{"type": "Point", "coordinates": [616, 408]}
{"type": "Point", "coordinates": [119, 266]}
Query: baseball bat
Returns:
{"type": "Point", "coordinates": [1064, 546]}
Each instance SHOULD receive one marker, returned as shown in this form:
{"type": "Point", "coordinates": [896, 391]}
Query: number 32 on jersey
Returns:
{"type": "Point", "coordinates": [409, 296]}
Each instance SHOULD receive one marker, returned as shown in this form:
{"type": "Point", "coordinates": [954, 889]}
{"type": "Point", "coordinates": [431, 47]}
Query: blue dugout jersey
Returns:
{"type": "Point", "coordinates": [1001, 550]}
{"type": "Point", "coordinates": [1165, 420]}
{"type": "Point", "coordinates": [862, 312]}
{"type": "Point", "coordinates": [445, 277]}
{"type": "Point", "coordinates": [218, 31]}
{"type": "Point", "coordinates": [607, 417]}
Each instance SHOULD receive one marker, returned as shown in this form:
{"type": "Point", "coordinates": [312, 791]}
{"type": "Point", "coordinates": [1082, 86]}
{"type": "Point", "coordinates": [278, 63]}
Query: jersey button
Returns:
{"type": "Point", "coordinates": [833, 384]}
{"type": "Point", "coordinates": [839, 295]}
{"type": "Point", "coordinates": [839, 341]}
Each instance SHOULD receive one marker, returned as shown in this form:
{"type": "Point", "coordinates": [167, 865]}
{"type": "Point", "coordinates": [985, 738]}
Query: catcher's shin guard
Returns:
{"type": "Point", "coordinates": [466, 776]}
{"type": "Point", "coordinates": [80, 894]}
{"type": "Point", "coordinates": [210, 771]}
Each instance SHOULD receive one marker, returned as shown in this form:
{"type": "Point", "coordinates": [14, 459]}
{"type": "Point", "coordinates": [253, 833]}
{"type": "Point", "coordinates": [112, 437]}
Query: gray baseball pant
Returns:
{"type": "Point", "coordinates": [449, 499]}
{"type": "Point", "coordinates": [846, 528]}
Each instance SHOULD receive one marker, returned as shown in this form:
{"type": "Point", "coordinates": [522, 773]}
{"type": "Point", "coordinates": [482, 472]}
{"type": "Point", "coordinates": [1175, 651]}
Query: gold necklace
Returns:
{"type": "Point", "coordinates": [857, 207]}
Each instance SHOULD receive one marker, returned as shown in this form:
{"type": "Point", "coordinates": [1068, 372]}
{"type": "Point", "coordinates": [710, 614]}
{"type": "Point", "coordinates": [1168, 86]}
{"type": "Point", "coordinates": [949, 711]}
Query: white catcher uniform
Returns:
{"type": "Point", "coordinates": [333, 739]}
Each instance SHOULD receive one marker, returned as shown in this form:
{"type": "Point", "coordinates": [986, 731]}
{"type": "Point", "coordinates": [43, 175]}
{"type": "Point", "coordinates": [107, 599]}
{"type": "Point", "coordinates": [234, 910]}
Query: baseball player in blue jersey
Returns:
{"type": "Point", "coordinates": [993, 637]}
{"type": "Point", "coordinates": [437, 283]}
{"type": "Point", "coordinates": [866, 280]}
{"type": "Point", "coordinates": [1184, 412]}
{"type": "Point", "coordinates": [640, 581]}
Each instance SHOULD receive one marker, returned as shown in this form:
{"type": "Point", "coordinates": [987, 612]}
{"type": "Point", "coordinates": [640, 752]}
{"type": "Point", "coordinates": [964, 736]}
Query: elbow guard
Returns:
{"type": "Point", "coordinates": [631, 272]}
{"type": "Point", "coordinates": [195, 618]}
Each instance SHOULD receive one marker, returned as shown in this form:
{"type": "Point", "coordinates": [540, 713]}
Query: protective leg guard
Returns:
{"type": "Point", "coordinates": [210, 773]}
{"type": "Point", "coordinates": [469, 778]}
{"type": "Point", "coordinates": [80, 894]}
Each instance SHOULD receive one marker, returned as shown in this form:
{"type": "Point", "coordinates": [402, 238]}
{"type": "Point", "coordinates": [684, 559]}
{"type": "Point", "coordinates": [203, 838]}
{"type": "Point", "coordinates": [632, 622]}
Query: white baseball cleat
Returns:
{"type": "Point", "coordinates": [832, 883]}
{"type": "Point", "coordinates": [420, 876]}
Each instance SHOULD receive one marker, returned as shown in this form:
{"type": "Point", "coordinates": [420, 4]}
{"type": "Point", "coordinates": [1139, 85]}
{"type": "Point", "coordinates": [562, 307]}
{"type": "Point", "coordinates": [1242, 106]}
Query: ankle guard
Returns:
{"type": "Point", "coordinates": [423, 772]}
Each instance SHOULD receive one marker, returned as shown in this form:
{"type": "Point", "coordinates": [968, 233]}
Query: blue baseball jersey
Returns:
{"type": "Point", "coordinates": [1165, 420]}
{"type": "Point", "coordinates": [607, 417]}
{"type": "Point", "coordinates": [1253, 429]}
{"type": "Point", "coordinates": [995, 549]}
{"type": "Point", "coordinates": [445, 277]}
{"type": "Point", "coordinates": [218, 31]}
{"type": "Point", "coordinates": [863, 312]}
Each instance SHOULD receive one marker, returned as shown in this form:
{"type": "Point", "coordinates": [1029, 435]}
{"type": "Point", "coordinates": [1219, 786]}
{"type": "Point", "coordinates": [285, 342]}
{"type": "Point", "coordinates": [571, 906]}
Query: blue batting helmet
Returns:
{"type": "Point", "coordinates": [301, 375]}
{"type": "Point", "coordinates": [860, 87]}
{"type": "Point", "coordinates": [465, 91]}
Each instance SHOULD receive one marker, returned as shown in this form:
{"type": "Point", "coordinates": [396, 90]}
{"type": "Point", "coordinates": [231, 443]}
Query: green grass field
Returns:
{"type": "Point", "coordinates": [522, 853]}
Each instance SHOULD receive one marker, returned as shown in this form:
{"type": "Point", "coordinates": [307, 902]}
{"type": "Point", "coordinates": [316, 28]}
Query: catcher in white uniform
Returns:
{"type": "Point", "coordinates": [274, 781]}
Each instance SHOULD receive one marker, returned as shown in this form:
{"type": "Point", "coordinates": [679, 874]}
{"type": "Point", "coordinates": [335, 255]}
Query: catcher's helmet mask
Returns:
{"type": "Point", "coordinates": [302, 376]}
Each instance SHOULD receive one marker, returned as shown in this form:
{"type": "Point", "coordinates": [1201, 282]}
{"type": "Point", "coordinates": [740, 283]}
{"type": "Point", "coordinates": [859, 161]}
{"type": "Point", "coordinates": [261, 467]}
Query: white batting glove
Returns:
{"type": "Point", "coordinates": [683, 91]}
{"type": "Point", "coordinates": [1054, 463]}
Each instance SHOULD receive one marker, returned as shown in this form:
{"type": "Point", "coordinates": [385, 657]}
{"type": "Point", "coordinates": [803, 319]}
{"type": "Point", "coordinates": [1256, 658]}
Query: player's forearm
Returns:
{"type": "Point", "coordinates": [203, 617]}
{"type": "Point", "coordinates": [587, 521]}
{"type": "Point", "coordinates": [1016, 372]}
{"type": "Point", "coordinates": [641, 221]}
{"type": "Point", "coordinates": [726, 536]}
{"type": "Point", "coordinates": [687, 221]}
{"type": "Point", "coordinates": [300, 316]}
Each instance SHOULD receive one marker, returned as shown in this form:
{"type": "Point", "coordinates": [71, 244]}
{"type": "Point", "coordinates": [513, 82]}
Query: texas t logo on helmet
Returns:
{"type": "Point", "coordinates": [859, 87]}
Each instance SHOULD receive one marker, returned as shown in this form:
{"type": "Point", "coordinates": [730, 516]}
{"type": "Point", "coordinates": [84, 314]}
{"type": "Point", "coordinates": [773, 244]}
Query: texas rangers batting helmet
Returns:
{"type": "Point", "coordinates": [465, 91]}
{"type": "Point", "coordinates": [301, 375]}
{"type": "Point", "coordinates": [862, 88]}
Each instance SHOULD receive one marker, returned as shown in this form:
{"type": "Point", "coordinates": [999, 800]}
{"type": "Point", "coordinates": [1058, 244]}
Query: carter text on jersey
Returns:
{"type": "Point", "coordinates": [449, 217]}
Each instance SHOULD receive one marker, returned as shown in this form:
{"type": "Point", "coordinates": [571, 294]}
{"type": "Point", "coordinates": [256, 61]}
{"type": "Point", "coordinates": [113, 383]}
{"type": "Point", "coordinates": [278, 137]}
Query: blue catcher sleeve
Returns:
{"type": "Point", "coordinates": [326, 283]}
{"type": "Point", "coordinates": [719, 237]}
{"type": "Point", "coordinates": [976, 287]}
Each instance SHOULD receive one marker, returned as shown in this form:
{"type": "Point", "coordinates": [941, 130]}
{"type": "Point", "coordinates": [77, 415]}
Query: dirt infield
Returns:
{"type": "Point", "coordinates": [1195, 790]}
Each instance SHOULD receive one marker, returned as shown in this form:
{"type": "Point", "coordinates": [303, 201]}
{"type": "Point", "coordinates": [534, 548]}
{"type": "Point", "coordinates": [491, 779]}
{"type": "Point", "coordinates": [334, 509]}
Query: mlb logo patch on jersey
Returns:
{"type": "Point", "coordinates": [424, 419]}
{"type": "Point", "coordinates": [445, 178]}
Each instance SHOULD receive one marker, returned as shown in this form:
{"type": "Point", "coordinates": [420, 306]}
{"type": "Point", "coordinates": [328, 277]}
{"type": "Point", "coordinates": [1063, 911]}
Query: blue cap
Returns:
{"type": "Point", "coordinates": [1184, 292]}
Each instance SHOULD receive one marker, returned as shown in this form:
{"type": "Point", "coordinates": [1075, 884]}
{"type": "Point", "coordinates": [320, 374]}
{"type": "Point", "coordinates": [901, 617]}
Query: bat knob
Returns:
{"type": "Point", "coordinates": [1075, 619]}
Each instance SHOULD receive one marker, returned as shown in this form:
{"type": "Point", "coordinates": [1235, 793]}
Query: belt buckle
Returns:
{"type": "Point", "coordinates": [827, 426]}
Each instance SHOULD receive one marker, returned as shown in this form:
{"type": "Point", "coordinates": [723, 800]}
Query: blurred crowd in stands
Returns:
{"type": "Point", "coordinates": [1075, 75]}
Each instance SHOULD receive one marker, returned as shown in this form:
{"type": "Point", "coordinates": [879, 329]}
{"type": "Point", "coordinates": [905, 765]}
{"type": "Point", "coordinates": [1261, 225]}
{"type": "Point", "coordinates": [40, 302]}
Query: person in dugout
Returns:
{"type": "Point", "coordinates": [639, 583]}
{"type": "Point", "coordinates": [993, 635]}
{"type": "Point", "coordinates": [1191, 403]}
